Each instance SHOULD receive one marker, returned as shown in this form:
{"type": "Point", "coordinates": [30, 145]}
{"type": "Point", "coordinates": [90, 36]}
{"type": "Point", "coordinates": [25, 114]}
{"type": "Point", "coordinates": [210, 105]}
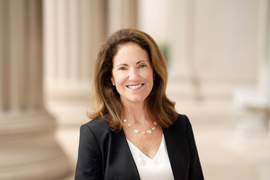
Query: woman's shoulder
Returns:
{"type": "Point", "coordinates": [181, 121]}
{"type": "Point", "coordinates": [96, 125]}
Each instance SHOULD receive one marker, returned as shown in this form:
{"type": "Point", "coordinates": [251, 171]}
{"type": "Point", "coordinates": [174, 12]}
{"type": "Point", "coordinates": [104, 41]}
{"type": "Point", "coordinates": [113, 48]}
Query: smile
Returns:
{"type": "Point", "coordinates": [135, 86]}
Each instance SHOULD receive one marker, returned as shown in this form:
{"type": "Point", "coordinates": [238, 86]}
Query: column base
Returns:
{"type": "Point", "coordinates": [252, 110]}
{"type": "Point", "coordinates": [28, 148]}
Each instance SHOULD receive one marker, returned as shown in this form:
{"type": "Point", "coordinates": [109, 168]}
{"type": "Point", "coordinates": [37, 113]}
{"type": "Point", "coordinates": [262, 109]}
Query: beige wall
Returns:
{"type": "Point", "coordinates": [226, 40]}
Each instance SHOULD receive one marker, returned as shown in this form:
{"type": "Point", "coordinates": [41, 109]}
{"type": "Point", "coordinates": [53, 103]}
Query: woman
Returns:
{"type": "Point", "coordinates": [136, 132]}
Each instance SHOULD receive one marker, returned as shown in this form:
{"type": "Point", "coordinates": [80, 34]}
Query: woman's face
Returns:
{"type": "Point", "coordinates": [132, 73]}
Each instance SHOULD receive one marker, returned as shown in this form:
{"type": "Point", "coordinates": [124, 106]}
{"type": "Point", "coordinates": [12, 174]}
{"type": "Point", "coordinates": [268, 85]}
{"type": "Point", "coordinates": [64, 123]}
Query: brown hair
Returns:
{"type": "Point", "coordinates": [107, 99]}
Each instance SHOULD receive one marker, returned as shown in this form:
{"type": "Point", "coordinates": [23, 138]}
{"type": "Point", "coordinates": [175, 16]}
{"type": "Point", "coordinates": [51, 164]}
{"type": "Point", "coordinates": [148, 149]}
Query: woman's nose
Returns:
{"type": "Point", "coordinates": [134, 75]}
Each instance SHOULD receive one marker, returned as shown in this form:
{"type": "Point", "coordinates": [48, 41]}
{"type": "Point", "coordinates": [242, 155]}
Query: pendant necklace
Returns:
{"type": "Point", "coordinates": [142, 132]}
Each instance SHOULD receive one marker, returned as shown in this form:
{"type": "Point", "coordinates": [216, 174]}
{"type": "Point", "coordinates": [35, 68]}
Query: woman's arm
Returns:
{"type": "Point", "coordinates": [89, 165]}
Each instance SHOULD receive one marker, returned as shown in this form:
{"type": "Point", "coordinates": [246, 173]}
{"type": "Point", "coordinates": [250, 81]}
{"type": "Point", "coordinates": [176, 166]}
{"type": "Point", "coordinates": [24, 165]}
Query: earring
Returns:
{"type": "Point", "coordinates": [113, 84]}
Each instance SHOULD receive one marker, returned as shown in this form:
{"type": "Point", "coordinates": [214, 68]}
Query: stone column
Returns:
{"type": "Point", "coordinates": [253, 104]}
{"type": "Point", "coordinates": [121, 14]}
{"type": "Point", "coordinates": [264, 83]}
{"type": "Point", "coordinates": [28, 148]}
{"type": "Point", "coordinates": [74, 29]}
{"type": "Point", "coordinates": [183, 76]}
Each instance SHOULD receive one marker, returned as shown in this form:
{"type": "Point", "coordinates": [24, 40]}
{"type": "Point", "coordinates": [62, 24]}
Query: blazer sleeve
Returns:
{"type": "Point", "coordinates": [195, 169]}
{"type": "Point", "coordinates": [89, 163]}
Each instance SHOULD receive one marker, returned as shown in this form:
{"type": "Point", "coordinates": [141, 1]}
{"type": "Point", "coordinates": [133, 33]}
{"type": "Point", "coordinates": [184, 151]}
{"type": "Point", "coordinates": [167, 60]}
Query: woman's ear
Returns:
{"type": "Point", "coordinates": [112, 80]}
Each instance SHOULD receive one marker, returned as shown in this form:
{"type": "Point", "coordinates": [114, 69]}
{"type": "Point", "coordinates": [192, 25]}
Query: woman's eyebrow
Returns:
{"type": "Point", "coordinates": [122, 64]}
{"type": "Point", "coordinates": [141, 61]}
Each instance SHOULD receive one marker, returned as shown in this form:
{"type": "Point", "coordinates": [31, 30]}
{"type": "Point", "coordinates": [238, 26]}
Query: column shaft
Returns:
{"type": "Point", "coordinates": [28, 149]}
{"type": "Point", "coordinates": [50, 44]}
{"type": "Point", "coordinates": [183, 74]}
{"type": "Point", "coordinates": [86, 43]}
{"type": "Point", "coordinates": [14, 53]}
{"type": "Point", "coordinates": [4, 63]}
{"type": "Point", "coordinates": [75, 31]}
{"type": "Point", "coordinates": [253, 104]}
{"type": "Point", "coordinates": [74, 35]}
{"type": "Point", "coordinates": [62, 39]}
{"type": "Point", "coordinates": [121, 14]}
{"type": "Point", "coordinates": [35, 55]}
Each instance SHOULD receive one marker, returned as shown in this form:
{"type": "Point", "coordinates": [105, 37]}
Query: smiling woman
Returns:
{"type": "Point", "coordinates": [132, 74]}
{"type": "Point", "coordinates": [136, 132]}
{"type": "Point", "coordinates": [108, 99]}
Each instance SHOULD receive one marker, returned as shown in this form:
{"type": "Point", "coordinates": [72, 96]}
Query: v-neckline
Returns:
{"type": "Point", "coordinates": [137, 149]}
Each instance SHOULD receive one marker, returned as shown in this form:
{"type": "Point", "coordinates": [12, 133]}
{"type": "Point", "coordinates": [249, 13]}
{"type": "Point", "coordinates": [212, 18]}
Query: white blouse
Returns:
{"type": "Point", "coordinates": [157, 168]}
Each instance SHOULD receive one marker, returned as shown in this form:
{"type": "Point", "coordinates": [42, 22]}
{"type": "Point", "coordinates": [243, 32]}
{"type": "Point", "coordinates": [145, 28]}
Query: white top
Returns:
{"type": "Point", "coordinates": [157, 168]}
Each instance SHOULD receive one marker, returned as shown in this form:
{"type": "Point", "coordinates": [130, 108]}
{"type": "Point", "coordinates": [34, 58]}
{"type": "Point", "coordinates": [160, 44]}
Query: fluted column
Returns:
{"type": "Point", "coordinates": [264, 78]}
{"type": "Point", "coordinates": [253, 105]}
{"type": "Point", "coordinates": [73, 32]}
{"type": "Point", "coordinates": [74, 29]}
{"type": "Point", "coordinates": [184, 79]}
{"type": "Point", "coordinates": [264, 46]}
{"type": "Point", "coordinates": [121, 14]}
{"type": "Point", "coordinates": [28, 148]}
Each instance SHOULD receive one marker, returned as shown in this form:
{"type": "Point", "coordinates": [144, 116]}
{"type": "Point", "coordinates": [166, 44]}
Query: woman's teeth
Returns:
{"type": "Point", "coordinates": [135, 87]}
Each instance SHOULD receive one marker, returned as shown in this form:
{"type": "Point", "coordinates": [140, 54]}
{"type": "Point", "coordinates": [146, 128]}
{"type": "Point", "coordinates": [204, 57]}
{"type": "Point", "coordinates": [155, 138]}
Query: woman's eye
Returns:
{"type": "Point", "coordinates": [142, 66]}
{"type": "Point", "coordinates": [122, 68]}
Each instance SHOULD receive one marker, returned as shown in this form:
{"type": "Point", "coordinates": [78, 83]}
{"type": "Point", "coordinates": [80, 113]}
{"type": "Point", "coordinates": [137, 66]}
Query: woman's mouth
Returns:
{"type": "Point", "coordinates": [135, 86]}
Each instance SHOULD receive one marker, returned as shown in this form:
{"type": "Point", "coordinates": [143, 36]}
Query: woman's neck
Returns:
{"type": "Point", "coordinates": [137, 113]}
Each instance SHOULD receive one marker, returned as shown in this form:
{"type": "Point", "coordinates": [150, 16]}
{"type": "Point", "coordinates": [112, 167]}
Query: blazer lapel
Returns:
{"type": "Point", "coordinates": [123, 158]}
{"type": "Point", "coordinates": [132, 166]}
{"type": "Point", "coordinates": [176, 147]}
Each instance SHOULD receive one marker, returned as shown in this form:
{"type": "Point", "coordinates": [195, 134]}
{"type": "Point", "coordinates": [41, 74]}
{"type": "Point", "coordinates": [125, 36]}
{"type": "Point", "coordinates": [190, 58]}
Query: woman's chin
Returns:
{"type": "Point", "coordinates": [134, 100]}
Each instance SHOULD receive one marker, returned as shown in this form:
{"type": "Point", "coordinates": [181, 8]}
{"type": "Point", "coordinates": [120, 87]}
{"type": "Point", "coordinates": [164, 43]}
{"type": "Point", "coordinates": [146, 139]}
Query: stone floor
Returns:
{"type": "Point", "coordinates": [227, 150]}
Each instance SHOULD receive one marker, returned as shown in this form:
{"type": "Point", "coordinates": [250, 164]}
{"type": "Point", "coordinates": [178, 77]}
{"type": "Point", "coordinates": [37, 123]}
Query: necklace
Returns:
{"type": "Point", "coordinates": [142, 132]}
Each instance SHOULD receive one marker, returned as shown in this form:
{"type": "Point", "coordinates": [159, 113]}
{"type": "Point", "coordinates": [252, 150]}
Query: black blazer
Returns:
{"type": "Point", "coordinates": [104, 154]}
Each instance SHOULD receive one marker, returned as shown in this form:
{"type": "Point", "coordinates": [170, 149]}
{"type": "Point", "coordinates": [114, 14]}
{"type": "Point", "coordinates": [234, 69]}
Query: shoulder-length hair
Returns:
{"type": "Point", "coordinates": [108, 106]}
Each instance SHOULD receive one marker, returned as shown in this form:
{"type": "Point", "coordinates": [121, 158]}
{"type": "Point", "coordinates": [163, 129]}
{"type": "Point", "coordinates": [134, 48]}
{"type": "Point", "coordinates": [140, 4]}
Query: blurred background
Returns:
{"type": "Point", "coordinates": [218, 58]}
